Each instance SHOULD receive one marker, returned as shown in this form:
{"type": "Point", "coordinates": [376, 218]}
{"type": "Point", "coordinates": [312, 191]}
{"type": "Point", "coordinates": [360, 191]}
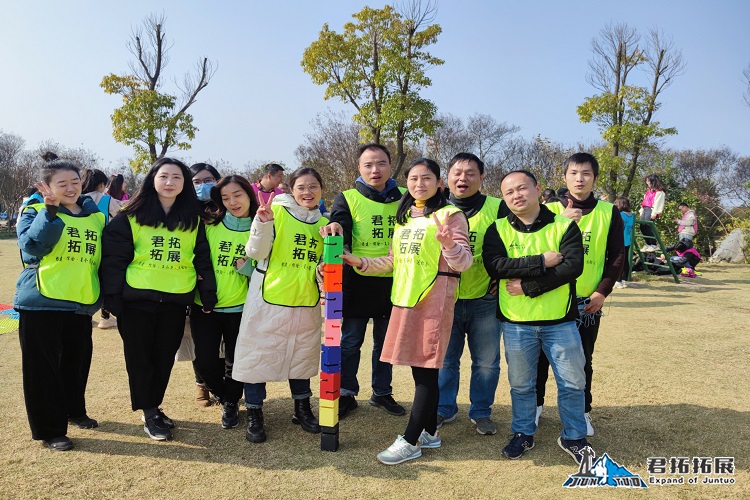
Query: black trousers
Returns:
{"type": "Point", "coordinates": [208, 331]}
{"type": "Point", "coordinates": [56, 349]}
{"type": "Point", "coordinates": [588, 328]}
{"type": "Point", "coordinates": [150, 340]}
{"type": "Point", "coordinates": [424, 409]}
{"type": "Point", "coordinates": [646, 230]}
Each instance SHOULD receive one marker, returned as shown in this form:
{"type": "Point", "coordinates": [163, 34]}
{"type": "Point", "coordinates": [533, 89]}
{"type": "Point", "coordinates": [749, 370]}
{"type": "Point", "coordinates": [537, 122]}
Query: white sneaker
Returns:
{"type": "Point", "coordinates": [427, 440]}
{"type": "Point", "coordinates": [107, 323]}
{"type": "Point", "coordinates": [538, 414]}
{"type": "Point", "coordinates": [400, 451]}
{"type": "Point", "coordinates": [589, 427]}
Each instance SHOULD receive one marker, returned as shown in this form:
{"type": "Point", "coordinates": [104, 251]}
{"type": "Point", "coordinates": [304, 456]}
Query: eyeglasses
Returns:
{"type": "Point", "coordinates": [206, 180]}
{"type": "Point", "coordinates": [301, 188]}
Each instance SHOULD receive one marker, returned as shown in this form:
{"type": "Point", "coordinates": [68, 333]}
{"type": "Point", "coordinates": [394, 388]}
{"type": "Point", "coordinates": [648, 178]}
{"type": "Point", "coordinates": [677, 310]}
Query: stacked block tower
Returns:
{"type": "Point", "coordinates": [330, 359]}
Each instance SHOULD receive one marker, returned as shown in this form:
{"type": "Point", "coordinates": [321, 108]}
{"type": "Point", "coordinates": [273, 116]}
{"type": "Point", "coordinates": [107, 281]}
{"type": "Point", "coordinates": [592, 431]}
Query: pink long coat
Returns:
{"type": "Point", "coordinates": [419, 336]}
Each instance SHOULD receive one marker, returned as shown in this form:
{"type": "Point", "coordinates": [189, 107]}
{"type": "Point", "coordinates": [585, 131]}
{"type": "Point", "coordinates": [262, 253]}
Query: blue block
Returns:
{"type": "Point", "coordinates": [330, 355]}
{"type": "Point", "coordinates": [334, 305]}
{"type": "Point", "coordinates": [331, 368]}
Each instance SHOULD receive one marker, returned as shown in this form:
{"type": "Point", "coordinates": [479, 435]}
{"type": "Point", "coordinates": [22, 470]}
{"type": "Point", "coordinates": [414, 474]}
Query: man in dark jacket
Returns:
{"type": "Point", "coordinates": [603, 241]}
{"type": "Point", "coordinates": [537, 257]}
{"type": "Point", "coordinates": [367, 215]}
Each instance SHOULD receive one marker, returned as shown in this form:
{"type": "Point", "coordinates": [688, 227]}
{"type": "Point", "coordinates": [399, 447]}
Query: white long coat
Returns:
{"type": "Point", "coordinates": [275, 343]}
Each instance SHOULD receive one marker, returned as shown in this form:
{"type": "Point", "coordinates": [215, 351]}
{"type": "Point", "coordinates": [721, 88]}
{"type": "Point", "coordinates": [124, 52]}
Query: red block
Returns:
{"type": "Point", "coordinates": [330, 385]}
{"type": "Point", "coordinates": [333, 277]}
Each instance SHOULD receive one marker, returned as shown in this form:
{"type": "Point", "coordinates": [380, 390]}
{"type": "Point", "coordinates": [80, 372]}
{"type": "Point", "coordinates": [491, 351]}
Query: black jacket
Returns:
{"type": "Point", "coordinates": [117, 253]}
{"type": "Point", "coordinates": [364, 296]}
{"type": "Point", "coordinates": [536, 279]}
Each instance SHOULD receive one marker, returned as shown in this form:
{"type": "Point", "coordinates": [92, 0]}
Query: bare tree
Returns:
{"type": "Point", "coordinates": [150, 120]}
{"type": "Point", "coordinates": [332, 150]}
{"type": "Point", "coordinates": [481, 135]}
{"type": "Point", "coordinates": [16, 175]}
{"type": "Point", "coordinates": [746, 75]}
{"type": "Point", "coordinates": [624, 111]}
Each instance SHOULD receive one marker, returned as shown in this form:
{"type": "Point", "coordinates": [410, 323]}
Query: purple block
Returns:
{"type": "Point", "coordinates": [333, 307]}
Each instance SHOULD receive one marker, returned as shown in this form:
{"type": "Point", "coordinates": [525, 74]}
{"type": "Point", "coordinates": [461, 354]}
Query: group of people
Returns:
{"type": "Point", "coordinates": [242, 261]}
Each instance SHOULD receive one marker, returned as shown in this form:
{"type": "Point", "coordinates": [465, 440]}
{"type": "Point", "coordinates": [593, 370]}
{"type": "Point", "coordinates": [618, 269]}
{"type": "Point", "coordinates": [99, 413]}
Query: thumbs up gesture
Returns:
{"type": "Point", "coordinates": [572, 213]}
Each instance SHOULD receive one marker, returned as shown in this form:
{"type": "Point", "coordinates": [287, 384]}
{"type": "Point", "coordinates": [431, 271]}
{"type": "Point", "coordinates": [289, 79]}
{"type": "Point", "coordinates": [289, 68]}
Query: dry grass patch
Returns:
{"type": "Point", "coordinates": [671, 378]}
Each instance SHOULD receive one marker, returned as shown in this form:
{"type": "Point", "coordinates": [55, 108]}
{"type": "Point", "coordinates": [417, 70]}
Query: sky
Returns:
{"type": "Point", "coordinates": [523, 63]}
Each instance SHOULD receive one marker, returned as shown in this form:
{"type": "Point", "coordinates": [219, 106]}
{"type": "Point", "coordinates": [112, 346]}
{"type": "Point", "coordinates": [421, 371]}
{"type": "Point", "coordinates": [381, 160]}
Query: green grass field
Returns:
{"type": "Point", "coordinates": [671, 378]}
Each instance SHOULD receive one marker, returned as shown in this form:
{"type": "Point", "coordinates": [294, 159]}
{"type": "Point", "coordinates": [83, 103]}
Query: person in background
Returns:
{"type": "Point", "coordinates": [284, 187]}
{"type": "Point", "coordinates": [687, 225]}
{"type": "Point", "coordinates": [547, 195]}
{"type": "Point", "coordinates": [117, 188]}
{"type": "Point", "coordinates": [429, 250]}
{"type": "Point", "coordinates": [153, 252]}
{"type": "Point", "coordinates": [273, 175]}
{"type": "Point", "coordinates": [367, 216]}
{"type": "Point", "coordinates": [279, 335]}
{"type": "Point", "coordinates": [474, 318]}
{"type": "Point", "coordinates": [227, 232]}
{"type": "Point", "coordinates": [57, 293]}
{"type": "Point", "coordinates": [537, 257]}
{"type": "Point", "coordinates": [94, 185]}
{"type": "Point", "coordinates": [628, 220]}
{"type": "Point", "coordinates": [204, 178]}
{"type": "Point", "coordinates": [562, 193]}
{"type": "Point", "coordinates": [651, 208]}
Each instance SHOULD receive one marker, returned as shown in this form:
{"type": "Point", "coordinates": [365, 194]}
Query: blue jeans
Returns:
{"type": "Point", "coordinates": [256, 393]}
{"type": "Point", "coordinates": [561, 344]}
{"type": "Point", "coordinates": [352, 337]}
{"type": "Point", "coordinates": [473, 320]}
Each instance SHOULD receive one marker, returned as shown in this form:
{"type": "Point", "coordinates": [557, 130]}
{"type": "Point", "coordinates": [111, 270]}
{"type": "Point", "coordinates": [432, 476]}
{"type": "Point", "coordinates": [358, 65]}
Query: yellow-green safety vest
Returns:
{"type": "Point", "coordinates": [227, 246]}
{"type": "Point", "coordinates": [594, 228]}
{"type": "Point", "coordinates": [373, 224]}
{"type": "Point", "coordinates": [549, 306]}
{"type": "Point", "coordinates": [416, 256]}
{"type": "Point", "coordinates": [71, 270]}
{"type": "Point", "coordinates": [163, 259]}
{"type": "Point", "coordinates": [475, 281]}
{"type": "Point", "coordinates": [297, 248]}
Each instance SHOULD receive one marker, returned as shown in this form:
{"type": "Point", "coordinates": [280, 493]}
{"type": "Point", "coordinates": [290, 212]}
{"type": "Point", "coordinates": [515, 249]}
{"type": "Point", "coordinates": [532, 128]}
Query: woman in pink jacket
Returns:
{"type": "Point", "coordinates": [430, 249]}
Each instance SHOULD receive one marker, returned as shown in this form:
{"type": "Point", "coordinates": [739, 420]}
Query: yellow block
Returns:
{"type": "Point", "coordinates": [329, 417]}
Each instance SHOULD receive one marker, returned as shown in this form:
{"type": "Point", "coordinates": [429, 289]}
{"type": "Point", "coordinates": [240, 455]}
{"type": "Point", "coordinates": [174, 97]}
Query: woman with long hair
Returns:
{"type": "Point", "coordinates": [56, 295]}
{"type": "Point", "coordinates": [430, 249]}
{"type": "Point", "coordinates": [154, 252]}
{"type": "Point", "coordinates": [117, 187]}
{"type": "Point", "coordinates": [227, 234]}
{"type": "Point", "coordinates": [279, 337]}
{"type": "Point", "coordinates": [651, 208]}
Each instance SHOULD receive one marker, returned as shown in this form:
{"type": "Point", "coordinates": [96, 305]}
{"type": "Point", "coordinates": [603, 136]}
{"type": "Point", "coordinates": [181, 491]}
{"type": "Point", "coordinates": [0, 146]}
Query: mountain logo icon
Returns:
{"type": "Point", "coordinates": [603, 472]}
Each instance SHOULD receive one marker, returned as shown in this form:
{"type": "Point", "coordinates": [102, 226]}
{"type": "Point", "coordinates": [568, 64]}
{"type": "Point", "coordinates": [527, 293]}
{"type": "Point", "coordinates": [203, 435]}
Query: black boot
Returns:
{"type": "Point", "coordinates": [230, 416]}
{"type": "Point", "coordinates": [304, 417]}
{"type": "Point", "coordinates": [255, 433]}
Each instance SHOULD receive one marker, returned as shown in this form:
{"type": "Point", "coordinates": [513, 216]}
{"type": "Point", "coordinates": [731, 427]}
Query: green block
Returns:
{"type": "Point", "coordinates": [333, 246]}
